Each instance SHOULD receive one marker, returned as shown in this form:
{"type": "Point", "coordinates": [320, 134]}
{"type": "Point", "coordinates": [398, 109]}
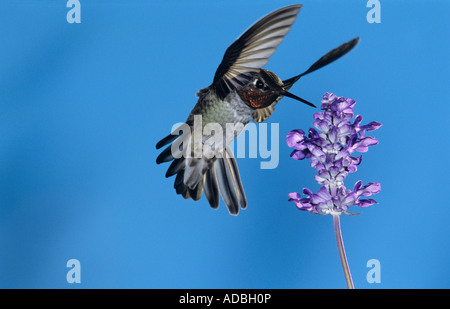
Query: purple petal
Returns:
{"type": "Point", "coordinates": [294, 196]}
{"type": "Point", "coordinates": [307, 192]}
{"type": "Point", "coordinates": [323, 194]}
{"type": "Point", "coordinates": [341, 176]}
{"type": "Point", "coordinates": [299, 155]}
{"type": "Point", "coordinates": [334, 171]}
{"type": "Point", "coordinates": [318, 116]}
{"type": "Point", "coordinates": [374, 125]}
{"type": "Point", "coordinates": [323, 177]}
{"type": "Point", "coordinates": [316, 151]}
{"type": "Point", "coordinates": [371, 188]}
{"type": "Point", "coordinates": [322, 125]}
{"type": "Point", "coordinates": [366, 202]}
{"type": "Point", "coordinates": [327, 100]}
{"type": "Point", "coordinates": [352, 140]}
{"type": "Point", "coordinates": [332, 135]}
{"type": "Point", "coordinates": [319, 166]}
{"type": "Point", "coordinates": [363, 144]}
{"type": "Point", "coordinates": [294, 137]}
{"type": "Point", "coordinates": [339, 163]}
{"type": "Point", "coordinates": [350, 102]}
{"type": "Point", "coordinates": [357, 121]}
{"type": "Point", "coordinates": [358, 185]}
{"type": "Point", "coordinates": [352, 163]}
{"type": "Point", "coordinates": [357, 160]}
{"type": "Point", "coordinates": [346, 129]}
{"type": "Point", "coordinates": [305, 206]}
{"type": "Point", "coordinates": [349, 199]}
{"type": "Point", "coordinates": [313, 133]}
{"type": "Point", "coordinates": [343, 153]}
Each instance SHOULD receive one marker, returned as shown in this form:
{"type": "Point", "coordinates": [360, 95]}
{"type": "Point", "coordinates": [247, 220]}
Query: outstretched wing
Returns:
{"type": "Point", "coordinates": [329, 57]}
{"type": "Point", "coordinates": [251, 51]}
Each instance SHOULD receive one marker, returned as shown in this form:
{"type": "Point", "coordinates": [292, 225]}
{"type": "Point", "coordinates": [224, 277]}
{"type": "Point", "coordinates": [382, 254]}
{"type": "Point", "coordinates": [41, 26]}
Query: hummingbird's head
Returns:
{"type": "Point", "coordinates": [263, 89]}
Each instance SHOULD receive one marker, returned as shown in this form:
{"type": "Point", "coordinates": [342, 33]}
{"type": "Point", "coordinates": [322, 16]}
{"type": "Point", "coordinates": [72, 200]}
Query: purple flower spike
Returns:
{"type": "Point", "coordinates": [330, 152]}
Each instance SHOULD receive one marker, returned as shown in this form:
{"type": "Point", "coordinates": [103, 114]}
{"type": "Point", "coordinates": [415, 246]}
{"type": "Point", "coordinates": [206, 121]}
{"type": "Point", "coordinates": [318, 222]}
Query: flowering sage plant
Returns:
{"type": "Point", "coordinates": [330, 152]}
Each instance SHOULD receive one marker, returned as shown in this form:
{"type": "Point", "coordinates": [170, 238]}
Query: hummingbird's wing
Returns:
{"type": "Point", "coordinates": [329, 57]}
{"type": "Point", "coordinates": [251, 51]}
{"type": "Point", "coordinates": [263, 114]}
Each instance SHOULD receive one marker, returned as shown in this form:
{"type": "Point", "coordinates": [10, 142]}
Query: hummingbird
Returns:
{"type": "Point", "coordinates": [241, 91]}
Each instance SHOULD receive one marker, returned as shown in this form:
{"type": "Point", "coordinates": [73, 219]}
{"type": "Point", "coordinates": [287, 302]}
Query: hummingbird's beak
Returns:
{"type": "Point", "coordinates": [293, 96]}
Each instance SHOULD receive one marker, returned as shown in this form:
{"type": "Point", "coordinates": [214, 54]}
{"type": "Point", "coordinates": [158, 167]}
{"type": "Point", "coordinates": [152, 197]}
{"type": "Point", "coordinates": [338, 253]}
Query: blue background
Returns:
{"type": "Point", "coordinates": [82, 106]}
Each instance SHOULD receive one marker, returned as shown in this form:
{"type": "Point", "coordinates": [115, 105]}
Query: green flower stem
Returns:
{"type": "Point", "coordinates": [340, 244]}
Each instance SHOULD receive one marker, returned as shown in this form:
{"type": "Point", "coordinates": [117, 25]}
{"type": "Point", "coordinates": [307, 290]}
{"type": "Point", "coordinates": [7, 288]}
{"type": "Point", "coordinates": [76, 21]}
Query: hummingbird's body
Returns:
{"type": "Point", "coordinates": [232, 109]}
{"type": "Point", "coordinates": [241, 91]}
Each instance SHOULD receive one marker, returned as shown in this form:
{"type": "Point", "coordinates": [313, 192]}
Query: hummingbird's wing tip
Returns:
{"type": "Point", "coordinates": [252, 50]}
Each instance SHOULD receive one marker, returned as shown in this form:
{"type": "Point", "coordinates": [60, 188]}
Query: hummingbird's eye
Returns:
{"type": "Point", "coordinates": [259, 84]}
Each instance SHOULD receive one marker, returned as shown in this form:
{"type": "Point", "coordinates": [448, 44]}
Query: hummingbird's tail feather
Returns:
{"type": "Point", "coordinates": [176, 166]}
{"type": "Point", "coordinates": [216, 177]}
{"type": "Point", "coordinates": [229, 183]}
{"type": "Point", "coordinates": [197, 192]}
{"type": "Point", "coordinates": [237, 178]}
{"type": "Point", "coordinates": [194, 170]}
{"type": "Point", "coordinates": [166, 140]}
{"type": "Point", "coordinates": [165, 156]}
{"type": "Point", "coordinates": [171, 152]}
{"type": "Point", "coordinates": [211, 187]}
{"type": "Point", "coordinates": [179, 185]}
{"type": "Point", "coordinates": [226, 186]}
{"type": "Point", "coordinates": [182, 189]}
